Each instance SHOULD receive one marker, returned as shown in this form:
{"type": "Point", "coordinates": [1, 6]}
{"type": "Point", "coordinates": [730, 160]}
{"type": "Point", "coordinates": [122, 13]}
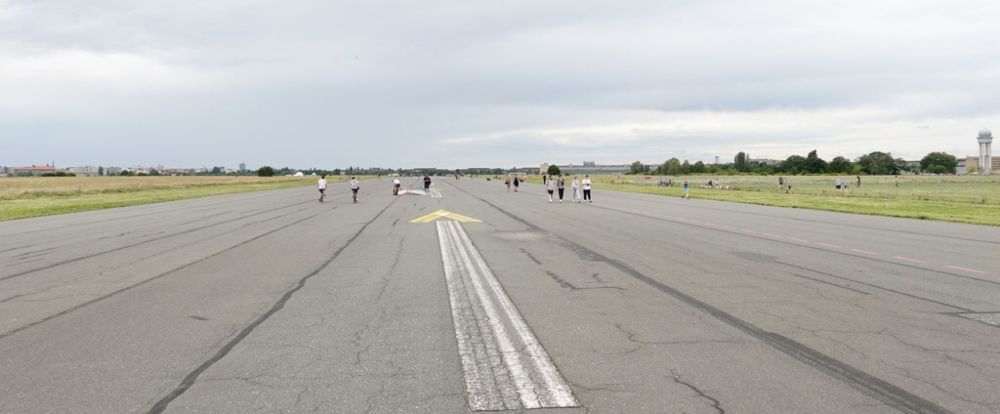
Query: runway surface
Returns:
{"type": "Point", "coordinates": [474, 298]}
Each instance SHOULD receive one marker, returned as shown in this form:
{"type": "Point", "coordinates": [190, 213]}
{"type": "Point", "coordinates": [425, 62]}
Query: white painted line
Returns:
{"type": "Point", "coordinates": [866, 252]}
{"type": "Point", "coordinates": [772, 235]}
{"type": "Point", "coordinates": [832, 246]}
{"type": "Point", "coordinates": [909, 259]}
{"type": "Point", "coordinates": [797, 240]}
{"type": "Point", "coordinates": [505, 366]}
{"type": "Point", "coordinates": [965, 269]}
{"type": "Point", "coordinates": [525, 388]}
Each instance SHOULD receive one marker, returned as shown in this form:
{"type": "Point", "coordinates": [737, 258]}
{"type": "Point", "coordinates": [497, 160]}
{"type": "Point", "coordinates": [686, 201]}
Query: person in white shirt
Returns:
{"type": "Point", "coordinates": [550, 185]}
{"type": "Point", "coordinates": [586, 189]}
{"type": "Point", "coordinates": [395, 186]}
{"type": "Point", "coordinates": [354, 188]}
{"type": "Point", "coordinates": [575, 187]}
{"type": "Point", "coordinates": [322, 188]}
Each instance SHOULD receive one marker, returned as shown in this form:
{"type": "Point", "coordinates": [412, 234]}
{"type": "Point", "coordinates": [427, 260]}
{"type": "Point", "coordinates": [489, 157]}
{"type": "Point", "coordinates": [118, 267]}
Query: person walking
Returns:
{"type": "Point", "coordinates": [427, 182]}
{"type": "Point", "coordinates": [550, 186]}
{"type": "Point", "coordinates": [859, 181]}
{"type": "Point", "coordinates": [561, 186]}
{"type": "Point", "coordinates": [586, 189]}
{"type": "Point", "coordinates": [322, 187]}
{"type": "Point", "coordinates": [686, 195]}
{"type": "Point", "coordinates": [355, 187]}
{"type": "Point", "coordinates": [508, 183]}
{"type": "Point", "coordinates": [575, 188]}
{"type": "Point", "coordinates": [517, 183]}
{"type": "Point", "coordinates": [395, 186]}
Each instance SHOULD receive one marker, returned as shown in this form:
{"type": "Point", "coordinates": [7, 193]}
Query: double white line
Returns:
{"type": "Point", "coordinates": [505, 366]}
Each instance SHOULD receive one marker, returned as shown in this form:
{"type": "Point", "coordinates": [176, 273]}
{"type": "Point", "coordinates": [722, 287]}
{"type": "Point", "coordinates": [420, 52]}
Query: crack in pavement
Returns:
{"type": "Point", "coordinates": [161, 275]}
{"type": "Point", "coordinates": [875, 387]}
{"type": "Point", "coordinates": [714, 402]}
{"type": "Point", "coordinates": [77, 259]}
{"type": "Point", "coordinates": [566, 284]}
{"type": "Point", "coordinates": [192, 376]}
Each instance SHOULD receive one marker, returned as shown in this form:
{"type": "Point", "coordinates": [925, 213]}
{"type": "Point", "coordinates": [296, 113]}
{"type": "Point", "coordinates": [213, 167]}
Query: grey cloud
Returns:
{"type": "Point", "coordinates": [396, 83]}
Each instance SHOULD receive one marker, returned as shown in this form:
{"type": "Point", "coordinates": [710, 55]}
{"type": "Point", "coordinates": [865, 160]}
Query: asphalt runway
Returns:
{"type": "Point", "coordinates": [474, 298]}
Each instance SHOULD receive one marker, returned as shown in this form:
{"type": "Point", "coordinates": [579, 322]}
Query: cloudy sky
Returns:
{"type": "Point", "coordinates": [319, 83]}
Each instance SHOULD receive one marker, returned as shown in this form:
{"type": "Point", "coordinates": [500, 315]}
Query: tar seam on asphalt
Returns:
{"type": "Point", "coordinates": [77, 259]}
{"type": "Point", "coordinates": [840, 212]}
{"type": "Point", "coordinates": [921, 298]}
{"type": "Point", "coordinates": [192, 376]}
{"type": "Point", "coordinates": [829, 251]}
{"type": "Point", "coordinates": [874, 259]}
{"type": "Point", "coordinates": [161, 275]}
{"type": "Point", "coordinates": [884, 391]}
{"type": "Point", "coordinates": [145, 213]}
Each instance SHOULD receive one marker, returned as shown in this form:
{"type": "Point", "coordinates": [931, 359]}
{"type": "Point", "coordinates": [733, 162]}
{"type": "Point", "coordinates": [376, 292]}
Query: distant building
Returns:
{"type": "Point", "coordinates": [765, 161]}
{"type": "Point", "coordinates": [112, 171]}
{"type": "Point", "coordinates": [87, 171]}
{"type": "Point", "coordinates": [243, 167]}
{"type": "Point", "coordinates": [591, 167]}
{"type": "Point", "coordinates": [543, 169]}
{"type": "Point", "coordinates": [33, 170]}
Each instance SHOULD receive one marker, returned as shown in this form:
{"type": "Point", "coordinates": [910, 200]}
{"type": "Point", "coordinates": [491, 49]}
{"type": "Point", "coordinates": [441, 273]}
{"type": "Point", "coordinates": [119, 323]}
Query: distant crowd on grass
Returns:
{"type": "Point", "coordinates": [874, 163]}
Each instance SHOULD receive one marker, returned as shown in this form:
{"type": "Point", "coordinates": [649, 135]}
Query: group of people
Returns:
{"type": "Point", "coordinates": [557, 183]}
{"type": "Point", "coordinates": [356, 187]}
{"type": "Point", "coordinates": [322, 184]}
{"type": "Point", "coordinates": [396, 184]}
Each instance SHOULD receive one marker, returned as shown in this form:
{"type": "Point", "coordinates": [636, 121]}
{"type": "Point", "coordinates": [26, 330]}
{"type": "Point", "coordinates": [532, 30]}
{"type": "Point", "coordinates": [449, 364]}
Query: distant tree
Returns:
{"type": "Point", "coordinates": [902, 165]}
{"type": "Point", "coordinates": [126, 173]}
{"type": "Point", "coordinates": [554, 170]}
{"type": "Point", "coordinates": [265, 171]}
{"type": "Point", "coordinates": [686, 167]}
{"type": "Point", "coordinates": [938, 163]}
{"type": "Point", "coordinates": [815, 164]}
{"type": "Point", "coordinates": [796, 164]}
{"type": "Point", "coordinates": [840, 165]}
{"type": "Point", "coordinates": [741, 162]}
{"type": "Point", "coordinates": [217, 170]}
{"type": "Point", "coordinates": [637, 168]}
{"type": "Point", "coordinates": [154, 172]}
{"type": "Point", "coordinates": [100, 171]}
{"type": "Point", "coordinates": [672, 167]}
{"type": "Point", "coordinates": [878, 163]}
{"type": "Point", "coordinates": [699, 168]}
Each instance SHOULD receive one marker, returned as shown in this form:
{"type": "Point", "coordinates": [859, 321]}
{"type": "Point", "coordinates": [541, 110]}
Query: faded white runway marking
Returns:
{"type": "Point", "coordinates": [505, 366]}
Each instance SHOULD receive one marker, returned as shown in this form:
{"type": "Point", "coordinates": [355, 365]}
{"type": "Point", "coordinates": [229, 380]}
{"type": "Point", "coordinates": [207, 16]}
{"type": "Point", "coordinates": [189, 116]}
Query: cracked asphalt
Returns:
{"type": "Point", "coordinates": [273, 302]}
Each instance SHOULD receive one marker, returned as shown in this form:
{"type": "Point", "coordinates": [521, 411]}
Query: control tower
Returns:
{"type": "Point", "coordinates": [985, 158]}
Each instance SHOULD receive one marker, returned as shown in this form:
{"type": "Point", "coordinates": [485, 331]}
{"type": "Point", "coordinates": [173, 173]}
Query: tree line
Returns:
{"type": "Point", "coordinates": [874, 163]}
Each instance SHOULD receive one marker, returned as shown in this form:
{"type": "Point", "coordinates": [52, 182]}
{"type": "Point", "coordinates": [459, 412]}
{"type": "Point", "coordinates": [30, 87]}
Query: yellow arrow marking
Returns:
{"type": "Point", "coordinates": [444, 214]}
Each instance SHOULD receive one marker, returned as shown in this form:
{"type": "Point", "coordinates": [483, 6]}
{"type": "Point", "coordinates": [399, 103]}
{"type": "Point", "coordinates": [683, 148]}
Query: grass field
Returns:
{"type": "Point", "coordinates": [965, 199]}
{"type": "Point", "coordinates": [41, 196]}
